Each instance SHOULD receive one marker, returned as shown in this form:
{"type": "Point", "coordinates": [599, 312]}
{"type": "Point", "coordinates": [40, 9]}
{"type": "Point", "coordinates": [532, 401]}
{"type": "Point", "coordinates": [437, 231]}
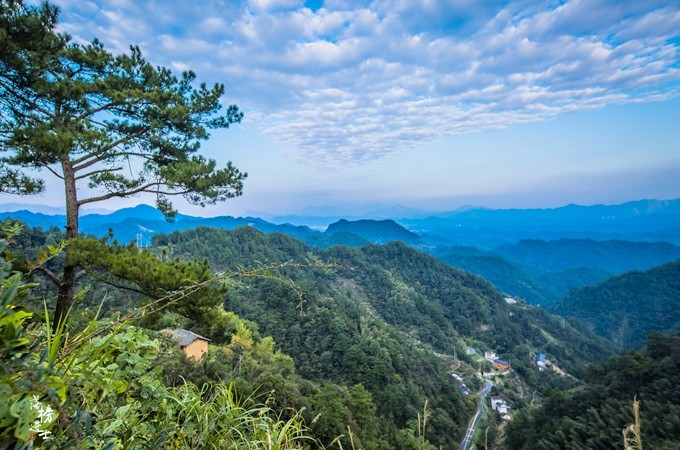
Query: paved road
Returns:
{"type": "Point", "coordinates": [475, 420]}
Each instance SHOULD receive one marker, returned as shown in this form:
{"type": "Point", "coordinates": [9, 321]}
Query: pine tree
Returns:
{"type": "Point", "coordinates": [114, 122]}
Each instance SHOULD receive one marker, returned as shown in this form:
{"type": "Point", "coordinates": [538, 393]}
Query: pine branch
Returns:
{"type": "Point", "coordinates": [51, 275]}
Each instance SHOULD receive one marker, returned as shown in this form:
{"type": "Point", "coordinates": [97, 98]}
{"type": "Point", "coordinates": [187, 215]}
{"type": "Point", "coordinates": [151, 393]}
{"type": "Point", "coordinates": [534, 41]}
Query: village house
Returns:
{"type": "Point", "coordinates": [499, 404]}
{"type": "Point", "coordinates": [501, 364]}
{"type": "Point", "coordinates": [540, 361]}
{"type": "Point", "coordinates": [193, 345]}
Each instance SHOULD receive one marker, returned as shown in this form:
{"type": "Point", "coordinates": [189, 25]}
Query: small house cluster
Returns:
{"type": "Point", "coordinates": [499, 404]}
{"type": "Point", "coordinates": [498, 363]}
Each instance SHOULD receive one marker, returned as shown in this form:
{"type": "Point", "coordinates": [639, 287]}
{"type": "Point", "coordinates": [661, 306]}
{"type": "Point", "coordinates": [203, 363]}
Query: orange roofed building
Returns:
{"type": "Point", "coordinates": [501, 364]}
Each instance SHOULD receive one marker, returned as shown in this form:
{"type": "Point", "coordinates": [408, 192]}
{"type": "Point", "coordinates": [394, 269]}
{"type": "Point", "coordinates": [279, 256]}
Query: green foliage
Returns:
{"type": "Point", "coordinates": [27, 40]}
{"type": "Point", "coordinates": [141, 271]}
{"type": "Point", "coordinates": [626, 308]}
{"type": "Point", "coordinates": [592, 415]}
{"type": "Point", "coordinates": [376, 326]}
{"type": "Point", "coordinates": [103, 389]}
{"type": "Point", "coordinates": [85, 110]}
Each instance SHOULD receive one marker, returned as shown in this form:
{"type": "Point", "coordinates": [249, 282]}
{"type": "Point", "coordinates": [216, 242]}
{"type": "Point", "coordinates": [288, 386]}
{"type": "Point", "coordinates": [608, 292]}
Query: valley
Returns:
{"type": "Point", "coordinates": [368, 311]}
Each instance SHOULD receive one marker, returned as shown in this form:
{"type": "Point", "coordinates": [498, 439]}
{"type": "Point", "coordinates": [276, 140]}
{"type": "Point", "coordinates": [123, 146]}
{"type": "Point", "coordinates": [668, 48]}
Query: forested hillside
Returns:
{"type": "Point", "coordinates": [433, 302]}
{"type": "Point", "coordinates": [541, 272]}
{"type": "Point", "coordinates": [614, 256]}
{"type": "Point", "coordinates": [370, 331]}
{"type": "Point", "coordinates": [626, 308]}
{"type": "Point", "coordinates": [379, 317]}
{"type": "Point", "coordinates": [593, 415]}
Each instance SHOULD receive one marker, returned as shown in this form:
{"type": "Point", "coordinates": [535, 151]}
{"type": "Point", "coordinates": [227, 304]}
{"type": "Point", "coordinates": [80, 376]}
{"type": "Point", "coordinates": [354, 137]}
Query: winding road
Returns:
{"type": "Point", "coordinates": [475, 420]}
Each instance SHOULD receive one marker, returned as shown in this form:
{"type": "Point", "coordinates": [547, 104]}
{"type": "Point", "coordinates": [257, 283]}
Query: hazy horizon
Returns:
{"type": "Point", "coordinates": [379, 212]}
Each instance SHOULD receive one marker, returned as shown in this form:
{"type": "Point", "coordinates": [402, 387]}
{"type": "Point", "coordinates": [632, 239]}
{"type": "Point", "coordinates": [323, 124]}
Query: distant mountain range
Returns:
{"type": "Point", "coordinates": [644, 220]}
{"type": "Point", "coordinates": [141, 222]}
{"type": "Point", "coordinates": [535, 254]}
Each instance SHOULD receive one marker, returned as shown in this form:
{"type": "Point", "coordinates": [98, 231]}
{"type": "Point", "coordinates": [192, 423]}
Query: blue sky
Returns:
{"type": "Point", "coordinates": [356, 106]}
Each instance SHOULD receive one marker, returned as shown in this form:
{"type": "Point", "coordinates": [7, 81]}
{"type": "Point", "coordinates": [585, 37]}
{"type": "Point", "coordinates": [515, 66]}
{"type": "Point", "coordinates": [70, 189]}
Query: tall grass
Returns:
{"type": "Point", "coordinates": [632, 436]}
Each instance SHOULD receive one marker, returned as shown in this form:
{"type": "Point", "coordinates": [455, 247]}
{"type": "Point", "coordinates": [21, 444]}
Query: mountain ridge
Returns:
{"type": "Point", "coordinates": [625, 309]}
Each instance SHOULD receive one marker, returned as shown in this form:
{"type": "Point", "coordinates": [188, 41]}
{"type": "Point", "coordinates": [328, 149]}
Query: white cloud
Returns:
{"type": "Point", "coordinates": [355, 82]}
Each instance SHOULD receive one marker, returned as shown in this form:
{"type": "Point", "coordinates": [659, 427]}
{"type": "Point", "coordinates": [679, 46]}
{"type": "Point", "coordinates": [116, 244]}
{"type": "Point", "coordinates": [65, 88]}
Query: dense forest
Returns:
{"type": "Point", "coordinates": [363, 338]}
{"type": "Point", "coordinates": [373, 319]}
{"type": "Point", "coordinates": [626, 308]}
{"type": "Point", "coordinates": [593, 415]}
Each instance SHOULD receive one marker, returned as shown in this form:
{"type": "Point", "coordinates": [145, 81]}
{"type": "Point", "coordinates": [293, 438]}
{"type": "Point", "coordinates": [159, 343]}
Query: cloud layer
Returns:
{"type": "Point", "coordinates": [350, 82]}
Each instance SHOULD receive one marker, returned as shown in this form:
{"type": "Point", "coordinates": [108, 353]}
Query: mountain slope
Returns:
{"type": "Point", "coordinates": [593, 415]}
{"type": "Point", "coordinates": [375, 231]}
{"type": "Point", "coordinates": [626, 308]}
{"type": "Point", "coordinates": [404, 288]}
{"type": "Point", "coordinates": [614, 256]}
{"type": "Point", "coordinates": [535, 286]}
{"type": "Point", "coordinates": [506, 276]}
{"type": "Point", "coordinates": [328, 331]}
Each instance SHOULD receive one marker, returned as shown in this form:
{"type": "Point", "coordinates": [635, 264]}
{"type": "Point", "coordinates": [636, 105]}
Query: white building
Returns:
{"type": "Point", "coordinates": [490, 356]}
{"type": "Point", "coordinates": [499, 404]}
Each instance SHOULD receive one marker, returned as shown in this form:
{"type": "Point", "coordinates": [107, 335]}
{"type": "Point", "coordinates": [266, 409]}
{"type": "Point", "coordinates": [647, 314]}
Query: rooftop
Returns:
{"type": "Point", "coordinates": [186, 337]}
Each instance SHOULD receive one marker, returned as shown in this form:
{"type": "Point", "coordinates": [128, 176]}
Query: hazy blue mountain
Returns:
{"type": "Point", "coordinates": [614, 256]}
{"type": "Point", "coordinates": [644, 220]}
{"type": "Point", "coordinates": [44, 209]}
{"type": "Point", "coordinates": [626, 308]}
{"type": "Point", "coordinates": [143, 221]}
{"type": "Point", "coordinates": [35, 219]}
{"type": "Point", "coordinates": [536, 287]}
{"type": "Point", "coordinates": [541, 272]}
{"type": "Point", "coordinates": [558, 284]}
{"type": "Point", "coordinates": [376, 231]}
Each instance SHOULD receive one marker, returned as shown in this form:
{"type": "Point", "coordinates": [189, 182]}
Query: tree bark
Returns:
{"type": "Point", "coordinates": [65, 294]}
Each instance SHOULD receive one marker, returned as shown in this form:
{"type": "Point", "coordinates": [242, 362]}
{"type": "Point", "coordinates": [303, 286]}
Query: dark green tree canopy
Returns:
{"type": "Point", "coordinates": [115, 122]}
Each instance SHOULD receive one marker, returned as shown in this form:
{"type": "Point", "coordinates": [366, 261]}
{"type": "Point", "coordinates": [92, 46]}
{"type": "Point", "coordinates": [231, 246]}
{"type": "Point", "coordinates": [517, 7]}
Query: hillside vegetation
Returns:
{"type": "Point", "coordinates": [626, 308]}
{"type": "Point", "coordinates": [379, 317]}
{"type": "Point", "coordinates": [359, 337]}
{"type": "Point", "coordinates": [593, 415]}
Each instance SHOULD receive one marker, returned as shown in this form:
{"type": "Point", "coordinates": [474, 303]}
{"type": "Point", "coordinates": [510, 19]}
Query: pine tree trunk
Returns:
{"type": "Point", "coordinates": [65, 295]}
